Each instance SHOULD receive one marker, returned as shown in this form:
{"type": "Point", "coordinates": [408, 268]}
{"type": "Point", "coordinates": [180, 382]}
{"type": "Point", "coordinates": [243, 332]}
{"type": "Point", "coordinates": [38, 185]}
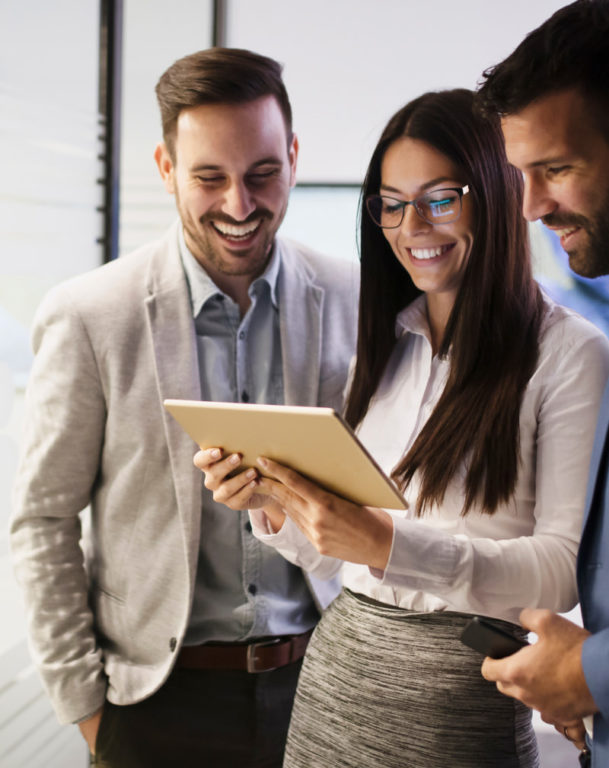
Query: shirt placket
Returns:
{"type": "Point", "coordinates": [251, 551]}
{"type": "Point", "coordinates": [245, 388]}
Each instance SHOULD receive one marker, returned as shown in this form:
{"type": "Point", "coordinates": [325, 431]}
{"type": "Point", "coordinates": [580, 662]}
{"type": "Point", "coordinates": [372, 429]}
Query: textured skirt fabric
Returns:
{"type": "Point", "coordinates": [382, 687]}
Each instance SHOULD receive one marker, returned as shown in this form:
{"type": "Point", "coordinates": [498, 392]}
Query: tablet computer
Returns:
{"type": "Point", "coordinates": [316, 442]}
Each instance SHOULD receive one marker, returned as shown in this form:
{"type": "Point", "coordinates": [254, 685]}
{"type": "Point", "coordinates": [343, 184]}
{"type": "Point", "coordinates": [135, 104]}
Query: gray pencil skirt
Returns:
{"type": "Point", "coordinates": [383, 687]}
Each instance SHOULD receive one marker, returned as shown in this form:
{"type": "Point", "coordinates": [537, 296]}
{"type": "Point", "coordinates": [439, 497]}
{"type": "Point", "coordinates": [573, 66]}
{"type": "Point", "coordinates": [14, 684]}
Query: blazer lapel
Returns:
{"type": "Point", "coordinates": [300, 312]}
{"type": "Point", "coordinates": [177, 374]}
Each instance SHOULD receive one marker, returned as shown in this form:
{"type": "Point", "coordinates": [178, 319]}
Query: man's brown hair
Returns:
{"type": "Point", "coordinates": [218, 76]}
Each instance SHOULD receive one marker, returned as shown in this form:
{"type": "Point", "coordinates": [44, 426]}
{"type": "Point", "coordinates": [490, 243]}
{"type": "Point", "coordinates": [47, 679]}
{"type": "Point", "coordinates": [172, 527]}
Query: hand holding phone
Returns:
{"type": "Point", "coordinates": [490, 640]}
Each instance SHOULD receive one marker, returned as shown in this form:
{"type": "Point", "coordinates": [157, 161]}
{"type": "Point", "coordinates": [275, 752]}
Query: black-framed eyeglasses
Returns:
{"type": "Point", "coordinates": [440, 206]}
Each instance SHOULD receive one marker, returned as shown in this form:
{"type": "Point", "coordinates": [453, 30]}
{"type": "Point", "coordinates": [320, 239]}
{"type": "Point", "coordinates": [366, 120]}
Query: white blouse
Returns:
{"type": "Point", "coordinates": [522, 555]}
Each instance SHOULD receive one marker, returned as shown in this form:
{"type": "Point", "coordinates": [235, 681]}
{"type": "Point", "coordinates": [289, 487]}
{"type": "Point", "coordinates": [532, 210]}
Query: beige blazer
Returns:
{"type": "Point", "coordinates": [110, 346]}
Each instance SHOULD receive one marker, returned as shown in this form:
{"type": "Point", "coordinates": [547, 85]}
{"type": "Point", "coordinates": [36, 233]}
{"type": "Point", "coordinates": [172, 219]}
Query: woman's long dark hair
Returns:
{"type": "Point", "coordinates": [493, 330]}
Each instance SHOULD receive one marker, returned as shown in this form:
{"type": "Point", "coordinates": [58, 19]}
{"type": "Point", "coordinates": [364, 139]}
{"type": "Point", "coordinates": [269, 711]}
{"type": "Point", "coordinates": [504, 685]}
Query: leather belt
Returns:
{"type": "Point", "coordinates": [261, 656]}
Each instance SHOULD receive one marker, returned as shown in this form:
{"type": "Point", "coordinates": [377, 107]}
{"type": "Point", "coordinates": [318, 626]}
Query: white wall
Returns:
{"type": "Point", "coordinates": [350, 64]}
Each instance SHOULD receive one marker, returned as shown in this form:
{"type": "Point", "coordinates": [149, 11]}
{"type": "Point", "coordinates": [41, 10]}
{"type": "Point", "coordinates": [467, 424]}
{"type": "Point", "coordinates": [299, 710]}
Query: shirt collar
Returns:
{"type": "Point", "coordinates": [413, 319]}
{"type": "Point", "coordinates": [202, 287]}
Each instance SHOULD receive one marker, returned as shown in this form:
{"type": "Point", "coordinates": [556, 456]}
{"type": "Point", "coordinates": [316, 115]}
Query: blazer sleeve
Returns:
{"type": "Point", "coordinates": [63, 436]}
{"type": "Point", "coordinates": [595, 661]}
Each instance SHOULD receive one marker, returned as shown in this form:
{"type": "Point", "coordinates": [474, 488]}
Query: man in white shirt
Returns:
{"type": "Point", "coordinates": [552, 93]}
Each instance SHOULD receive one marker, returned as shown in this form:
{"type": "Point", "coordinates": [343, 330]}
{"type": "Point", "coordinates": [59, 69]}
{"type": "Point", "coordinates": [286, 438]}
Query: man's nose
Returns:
{"type": "Point", "coordinates": [537, 200]}
{"type": "Point", "coordinates": [238, 201]}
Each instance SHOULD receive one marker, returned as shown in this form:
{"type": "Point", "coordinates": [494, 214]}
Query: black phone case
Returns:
{"type": "Point", "coordinates": [488, 639]}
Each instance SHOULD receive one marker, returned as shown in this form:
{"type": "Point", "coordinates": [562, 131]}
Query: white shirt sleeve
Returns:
{"type": "Point", "coordinates": [290, 542]}
{"type": "Point", "coordinates": [500, 573]}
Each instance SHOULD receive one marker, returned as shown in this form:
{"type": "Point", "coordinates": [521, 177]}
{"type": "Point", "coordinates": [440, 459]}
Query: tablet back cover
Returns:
{"type": "Point", "coordinates": [314, 441]}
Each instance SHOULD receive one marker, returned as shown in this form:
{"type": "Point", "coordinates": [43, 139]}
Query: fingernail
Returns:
{"type": "Point", "coordinates": [251, 473]}
{"type": "Point", "coordinates": [261, 461]}
{"type": "Point", "coordinates": [234, 459]}
{"type": "Point", "coordinates": [215, 454]}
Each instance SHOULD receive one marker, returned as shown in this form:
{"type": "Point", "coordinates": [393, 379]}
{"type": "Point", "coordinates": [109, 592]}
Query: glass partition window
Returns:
{"type": "Point", "coordinates": [50, 225]}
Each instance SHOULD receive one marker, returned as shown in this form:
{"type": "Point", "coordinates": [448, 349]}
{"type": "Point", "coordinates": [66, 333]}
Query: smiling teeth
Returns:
{"type": "Point", "coordinates": [563, 232]}
{"type": "Point", "coordinates": [237, 230]}
{"type": "Point", "coordinates": [428, 253]}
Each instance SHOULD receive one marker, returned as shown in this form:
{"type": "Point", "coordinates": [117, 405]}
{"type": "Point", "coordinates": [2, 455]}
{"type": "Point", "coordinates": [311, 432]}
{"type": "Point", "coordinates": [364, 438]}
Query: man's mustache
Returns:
{"type": "Point", "coordinates": [565, 220]}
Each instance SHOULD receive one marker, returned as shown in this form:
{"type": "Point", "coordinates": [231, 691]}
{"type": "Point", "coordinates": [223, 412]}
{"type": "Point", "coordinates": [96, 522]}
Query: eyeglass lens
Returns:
{"type": "Point", "coordinates": [437, 207]}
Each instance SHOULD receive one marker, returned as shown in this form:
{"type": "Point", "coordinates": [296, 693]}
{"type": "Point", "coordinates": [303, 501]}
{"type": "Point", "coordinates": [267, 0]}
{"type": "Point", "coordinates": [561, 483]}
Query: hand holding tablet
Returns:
{"type": "Point", "coordinates": [314, 441]}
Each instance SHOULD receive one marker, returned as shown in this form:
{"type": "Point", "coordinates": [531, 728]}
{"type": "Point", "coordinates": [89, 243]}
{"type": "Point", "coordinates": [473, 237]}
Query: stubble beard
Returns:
{"type": "Point", "coordinates": [591, 259]}
{"type": "Point", "coordinates": [208, 253]}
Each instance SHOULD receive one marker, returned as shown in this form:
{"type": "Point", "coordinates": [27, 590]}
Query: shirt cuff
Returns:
{"type": "Point", "coordinates": [263, 530]}
{"type": "Point", "coordinates": [86, 717]}
{"type": "Point", "coordinates": [422, 557]}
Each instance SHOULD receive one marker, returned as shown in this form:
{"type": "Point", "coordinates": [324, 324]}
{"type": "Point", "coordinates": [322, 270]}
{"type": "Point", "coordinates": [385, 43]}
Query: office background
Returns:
{"type": "Point", "coordinates": [79, 184]}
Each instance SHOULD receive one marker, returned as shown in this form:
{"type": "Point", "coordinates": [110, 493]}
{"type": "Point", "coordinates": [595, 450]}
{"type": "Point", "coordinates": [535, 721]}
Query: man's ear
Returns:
{"type": "Point", "coordinates": [165, 166]}
{"type": "Point", "coordinates": [293, 158]}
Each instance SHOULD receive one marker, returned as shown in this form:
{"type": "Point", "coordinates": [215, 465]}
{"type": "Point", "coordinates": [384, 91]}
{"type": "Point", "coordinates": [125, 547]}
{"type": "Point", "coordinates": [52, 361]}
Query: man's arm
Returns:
{"type": "Point", "coordinates": [547, 675]}
{"type": "Point", "coordinates": [63, 435]}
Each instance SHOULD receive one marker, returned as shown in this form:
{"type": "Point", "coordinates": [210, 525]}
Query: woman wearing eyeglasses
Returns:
{"type": "Point", "coordinates": [479, 396]}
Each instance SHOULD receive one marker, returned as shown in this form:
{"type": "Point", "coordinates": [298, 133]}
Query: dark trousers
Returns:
{"type": "Point", "coordinates": [202, 719]}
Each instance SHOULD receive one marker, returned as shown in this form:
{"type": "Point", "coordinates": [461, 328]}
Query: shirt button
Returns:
{"type": "Point", "coordinates": [248, 527]}
{"type": "Point", "coordinates": [173, 644]}
{"type": "Point", "coordinates": [241, 334]}
{"type": "Point", "coordinates": [245, 397]}
{"type": "Point", "coordinates": [252, 589]}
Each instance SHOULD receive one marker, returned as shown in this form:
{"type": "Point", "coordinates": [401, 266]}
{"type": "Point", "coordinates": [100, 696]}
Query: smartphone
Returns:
{"type": "Point", "coordinates": [484, 636]}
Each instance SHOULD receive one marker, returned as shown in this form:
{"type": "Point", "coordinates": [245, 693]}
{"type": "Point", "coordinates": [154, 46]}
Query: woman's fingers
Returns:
{"type": "Point", "coordinates": [280, 492]}
{"type": "Point", "coordinates": [215, 467]}
{"type": "Point", "coordinates": [312, 508]}
{"type": "Point", "coordinates": [291, 479]}
{"type": "Point", "coordinates": [336, 527]}
{"type": "Point", "coordinates": [205, 458]}
{"type": "Point", "coordinates": [235, 492]}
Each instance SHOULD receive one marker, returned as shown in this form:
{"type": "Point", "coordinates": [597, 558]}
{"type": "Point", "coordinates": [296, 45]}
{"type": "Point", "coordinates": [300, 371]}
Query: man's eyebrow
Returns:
{"type": "Point", "coordinates": [551, 160]}
{"type": "Point", "coordinates": [271, 160]}
{"type": "Point", "coordinates": [205, 167]}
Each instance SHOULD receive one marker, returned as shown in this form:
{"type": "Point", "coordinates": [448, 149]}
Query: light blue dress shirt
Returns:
{"type": "Point", "coordinates": [243, 588]}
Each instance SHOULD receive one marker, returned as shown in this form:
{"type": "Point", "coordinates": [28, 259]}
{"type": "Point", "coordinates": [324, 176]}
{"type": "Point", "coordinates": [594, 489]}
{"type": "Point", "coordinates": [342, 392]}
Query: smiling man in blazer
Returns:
{"type": "Point", "coordinates": [552, 93]}
{"type": "Point", "coordinates": [176, 639]}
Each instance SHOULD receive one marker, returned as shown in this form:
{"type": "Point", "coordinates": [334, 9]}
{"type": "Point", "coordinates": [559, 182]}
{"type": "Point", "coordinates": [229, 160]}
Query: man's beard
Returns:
{"type": "Point", "coordinates": [204, 246]}
{"type": "Point", "coordinates": [592, 258]}
{"type": "Point", "coordinates": [208, 250]}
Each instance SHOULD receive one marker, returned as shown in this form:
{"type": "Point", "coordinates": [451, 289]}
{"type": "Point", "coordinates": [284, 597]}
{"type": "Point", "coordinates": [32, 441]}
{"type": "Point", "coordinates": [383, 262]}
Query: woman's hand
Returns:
{"type": "Point", "coordinates": [336, 527]}
{"type": "Point", "coordinates": [238, 492]}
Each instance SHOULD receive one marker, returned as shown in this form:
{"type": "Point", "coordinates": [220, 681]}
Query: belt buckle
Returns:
{"type": "Point", "coordinates": [250, 658]}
